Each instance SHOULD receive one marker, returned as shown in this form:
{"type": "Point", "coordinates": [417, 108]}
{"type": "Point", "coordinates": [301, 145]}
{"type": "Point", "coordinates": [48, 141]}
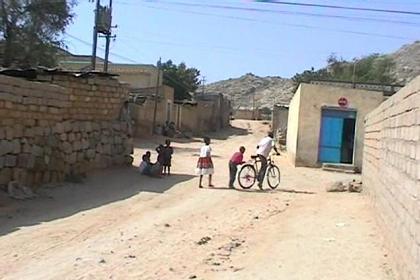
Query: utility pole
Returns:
{"type": "Point", "coordinates": [156, 95]}
{"type": "Point", "coordinates": [95, 35]}
{"type": "Point", "coordinates": [253, 105]}
{"type": "Point", "coordinates": [203, 82]}
{"type": "Point", "coordinates": [354, 73]}
{"type": "Point", "coordinates": [108, 40]}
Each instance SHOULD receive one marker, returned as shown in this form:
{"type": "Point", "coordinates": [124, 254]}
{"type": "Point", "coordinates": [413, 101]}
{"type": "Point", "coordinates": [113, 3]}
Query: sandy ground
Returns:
{"type": "Point", "coordinates": [120, 225]}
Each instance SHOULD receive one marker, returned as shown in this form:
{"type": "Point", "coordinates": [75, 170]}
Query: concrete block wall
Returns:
{"type": "Point", "coordinates": [61, 126]}
{"type": "Point", "coordinates": [391, 174]}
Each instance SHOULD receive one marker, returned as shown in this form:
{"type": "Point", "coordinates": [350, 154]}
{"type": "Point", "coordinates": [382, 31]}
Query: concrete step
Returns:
{"type": "Point", "coordinates": [339, 167]}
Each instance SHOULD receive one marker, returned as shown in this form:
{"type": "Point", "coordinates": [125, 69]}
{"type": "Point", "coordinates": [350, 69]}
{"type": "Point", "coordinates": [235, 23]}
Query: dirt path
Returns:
{"type": "Point", "coordinates": [120, 225]}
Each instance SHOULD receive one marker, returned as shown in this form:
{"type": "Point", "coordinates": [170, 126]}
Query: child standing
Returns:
{"type": "Point", "coordinates": [205, 163]}
{"type": "Point", "coordinates": [167, 152]}
{"type": "Point", "coordinates": [235, 160]}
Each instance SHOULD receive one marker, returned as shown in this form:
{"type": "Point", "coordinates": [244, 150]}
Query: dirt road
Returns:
{"type": "Point", "coordinates": [120, 225]}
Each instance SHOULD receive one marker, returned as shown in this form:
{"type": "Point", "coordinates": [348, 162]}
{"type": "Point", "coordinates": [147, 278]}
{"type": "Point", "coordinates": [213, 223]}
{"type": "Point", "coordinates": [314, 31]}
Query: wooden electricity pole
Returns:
{"type": "Point", "coordinates": [156, 96]}
{"type": "Point", "coordinates": [108, 41]}
{"type": "Point", "coordinates": [95, 35]}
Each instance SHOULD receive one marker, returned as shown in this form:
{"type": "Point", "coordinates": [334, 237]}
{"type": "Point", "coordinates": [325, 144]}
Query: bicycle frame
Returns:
{"type": "Point", "coordinates": [256, 160]}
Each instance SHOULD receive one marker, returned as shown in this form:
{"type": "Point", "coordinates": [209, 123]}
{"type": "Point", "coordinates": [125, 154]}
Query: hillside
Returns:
{"type": "Point", "coordinates": [271, 90]}
{"type": "Point", "coordinates": [267, 90]}
{"type": "Point", "coordinates": [407, 62]}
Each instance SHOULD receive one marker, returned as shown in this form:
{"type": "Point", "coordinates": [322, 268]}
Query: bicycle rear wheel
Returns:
{"type": "Point", "coordinates": [273, 176]}
{"type": "Point", "coordinates": [247, 176]}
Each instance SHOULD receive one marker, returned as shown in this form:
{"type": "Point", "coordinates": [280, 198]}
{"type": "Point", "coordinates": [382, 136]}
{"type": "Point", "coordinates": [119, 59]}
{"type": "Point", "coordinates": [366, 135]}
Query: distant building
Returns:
{"type": "Point", "coordinates": [136, 75]}
{"type": "Point", "coordinates": [246, 113]}
{"type": "Point", "coordinates": [326, 121]}
{"type": "Point", "coordinates": [279, 117]}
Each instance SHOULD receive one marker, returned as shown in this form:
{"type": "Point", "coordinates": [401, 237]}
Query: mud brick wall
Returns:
{"type": "Point", "coordinates": [60, 126]}
{"type": "Point", "coordinates": [391, 173]}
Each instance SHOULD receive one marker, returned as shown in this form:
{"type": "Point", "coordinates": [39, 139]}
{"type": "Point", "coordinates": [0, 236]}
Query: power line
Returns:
{"type": "Point", "coordinates": [340, 7]}
{"type": "Point", "coordinates": [206, 46]}
{"type": "Point", "coordinates": [307, 14]}
{"type": "Point", "coordinates": [285, 24]}
{"type": "Point", "coordinates": [102, 49]}
{"type": "Point", "coordinates": [179, 83]}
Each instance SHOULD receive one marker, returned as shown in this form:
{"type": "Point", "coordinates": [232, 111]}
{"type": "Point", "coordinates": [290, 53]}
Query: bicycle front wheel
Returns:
{"type": "Point", "coordinates": [247, 176]}
{"type": "Point", "coordinates": [273, 176]}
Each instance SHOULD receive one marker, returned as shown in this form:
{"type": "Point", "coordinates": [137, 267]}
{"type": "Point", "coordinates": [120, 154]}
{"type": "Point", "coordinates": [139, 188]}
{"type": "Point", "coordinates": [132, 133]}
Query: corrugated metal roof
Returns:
{"type": "Point", "coordinates": [32, 73]}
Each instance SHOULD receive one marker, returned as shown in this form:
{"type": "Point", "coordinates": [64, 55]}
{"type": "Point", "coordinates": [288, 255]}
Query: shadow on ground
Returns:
{"type": "Point", "coordinates": [99, 189]}
{"type": "Point", "coordinates": [150, 143]}
{"type": "Point", "coordinates": [257, 190]}
{"type": "Point", "coordinates": [228, 132]}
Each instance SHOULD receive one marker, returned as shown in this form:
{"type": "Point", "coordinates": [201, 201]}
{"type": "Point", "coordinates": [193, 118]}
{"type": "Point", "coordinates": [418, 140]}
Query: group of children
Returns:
{"type": "Point", "coordinates": [163, 164]}
{"type": "Point", "coordinates": [204, 164]}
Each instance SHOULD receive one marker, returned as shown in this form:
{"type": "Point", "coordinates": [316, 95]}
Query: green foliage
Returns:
{"type": "Point", "coordinates": [374, 68]}
{"type": "Point", "coordinates": [31, 30]}
{"type": "Point", "coordinates": [184, 80]}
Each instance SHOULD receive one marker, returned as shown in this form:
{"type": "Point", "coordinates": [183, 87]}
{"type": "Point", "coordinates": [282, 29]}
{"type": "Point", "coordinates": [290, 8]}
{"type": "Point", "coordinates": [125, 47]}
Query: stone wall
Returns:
{"type": "Point", "coordinates": [60, 125]}
{"type": "Point", "coordinates": [391, 173]}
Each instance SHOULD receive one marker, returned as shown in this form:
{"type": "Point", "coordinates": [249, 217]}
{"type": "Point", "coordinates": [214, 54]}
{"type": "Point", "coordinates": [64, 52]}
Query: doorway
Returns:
{"type": "Point", "coordinates": [337, 136]}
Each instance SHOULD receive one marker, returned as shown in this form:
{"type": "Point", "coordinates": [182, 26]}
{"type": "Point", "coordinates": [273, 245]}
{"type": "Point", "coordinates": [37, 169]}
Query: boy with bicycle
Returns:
{"type": "Point", "coordinates": [263, 151]}
{"type": "Point", "coordinates": [236, 159]}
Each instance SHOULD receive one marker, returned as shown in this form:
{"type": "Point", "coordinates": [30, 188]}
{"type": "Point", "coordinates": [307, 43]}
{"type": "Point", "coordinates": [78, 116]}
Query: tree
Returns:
{"type": "Point", "coordinates": [374, 68]}
{"type": "Point", "coordinates": [184, 80]}
{"type": "Point", "coordinates": [31, 30]}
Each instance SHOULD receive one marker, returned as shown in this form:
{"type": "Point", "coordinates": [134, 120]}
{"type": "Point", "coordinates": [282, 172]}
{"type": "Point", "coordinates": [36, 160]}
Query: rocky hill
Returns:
{"type": "Point", "coordinates": [266, 90]}
{"type": "Point", "coordinates": [407, 62]}
{"type": "Point", "coordinates": [271, 90]}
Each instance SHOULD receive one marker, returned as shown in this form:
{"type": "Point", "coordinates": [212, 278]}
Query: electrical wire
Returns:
{"type": "Point", "coordinates": [102, 49]}
{"type": "Point", "coordinates": [340, 7]}
{"type": "Point", "coordinates": [285, 24]}
{"type": "Point", "coordinates": [179, 83]}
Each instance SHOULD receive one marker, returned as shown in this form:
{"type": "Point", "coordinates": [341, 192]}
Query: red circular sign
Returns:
{"type": "Point", "coordinates": [343, 102]}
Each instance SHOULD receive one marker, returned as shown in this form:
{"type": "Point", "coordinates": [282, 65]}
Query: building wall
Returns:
{"type": "Point", "coordinates": [247, 114]}
{"type": "Point", "coordinates": [137, 75]}
{"type": "Point", "coordinates": [312, 99]}
{"type": "Point", "coordinates": [198, 118]}
{"type": "Point", "coordinates": [391, 174]}
{"type": "Point", "coordinates": [143, 114]}
{"type": "Point", "coordinates": [293, 125]}
{"type": "Point", "coordinates": [279, 118]}
{"type": "Point", "coordinates": [62, 126]}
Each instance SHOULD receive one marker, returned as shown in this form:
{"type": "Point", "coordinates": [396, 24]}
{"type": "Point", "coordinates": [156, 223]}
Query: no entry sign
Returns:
{"type": "Point", "coordinates": [343, 102]}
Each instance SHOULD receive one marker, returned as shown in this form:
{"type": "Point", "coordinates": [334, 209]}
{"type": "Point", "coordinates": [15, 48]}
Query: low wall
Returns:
{"type": "Point", "coordinates": [61, 126]}
{"type": "Point", "coordinates": [391, 173]}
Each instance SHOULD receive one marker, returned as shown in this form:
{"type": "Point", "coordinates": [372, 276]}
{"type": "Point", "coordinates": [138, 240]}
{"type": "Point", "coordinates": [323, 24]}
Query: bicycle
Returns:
{"type": "Point", "coordinates": [248, 173]}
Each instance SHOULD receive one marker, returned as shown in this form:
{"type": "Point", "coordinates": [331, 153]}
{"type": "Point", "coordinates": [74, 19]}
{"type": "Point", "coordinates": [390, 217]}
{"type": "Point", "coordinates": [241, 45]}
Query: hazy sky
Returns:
{"type": "Point", "coordinates": [265, 39]}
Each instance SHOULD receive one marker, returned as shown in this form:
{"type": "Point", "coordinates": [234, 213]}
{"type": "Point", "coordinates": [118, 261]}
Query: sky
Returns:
{"type": "Point", "coordinates": [227, 39]}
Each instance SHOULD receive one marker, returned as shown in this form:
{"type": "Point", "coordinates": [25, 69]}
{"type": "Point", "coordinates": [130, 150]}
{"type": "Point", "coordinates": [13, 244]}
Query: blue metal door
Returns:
{"type": "Point", "coordinates": [331, 139]}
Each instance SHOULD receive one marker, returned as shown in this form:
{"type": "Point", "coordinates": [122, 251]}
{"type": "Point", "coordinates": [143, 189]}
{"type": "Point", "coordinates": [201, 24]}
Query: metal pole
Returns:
{"type": "Point", "coordinates": [108, 42]}
{"type": "Point", "coordinates": [156, 96]}
{"type": "Point", "coordinates": [354, 74]}
{"type": "Point", "coordinates": [95, 36]}
{"type": "Point", "coordinates": [253, 105]}
{"type": "Point", "coordinates": [203, 81]}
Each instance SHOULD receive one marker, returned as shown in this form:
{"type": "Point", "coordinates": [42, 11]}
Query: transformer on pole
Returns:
{"type": "Point", "coordinates": [103, 25]}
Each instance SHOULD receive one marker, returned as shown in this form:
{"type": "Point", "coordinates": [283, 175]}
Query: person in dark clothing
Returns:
{"type": "Point", "coordinates": [167, 152]}
{"type": "Point", "coordinates": [148, 168]}
{"type": "Point", "coordinates": [236, 159]}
